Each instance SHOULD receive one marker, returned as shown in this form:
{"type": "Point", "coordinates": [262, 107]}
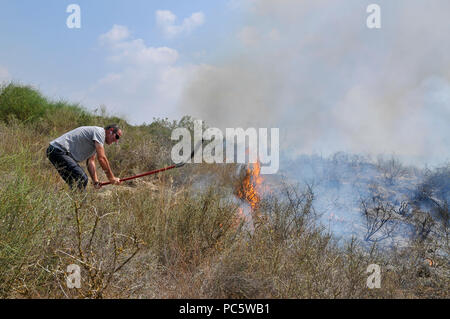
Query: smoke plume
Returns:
{"type": "Point", "coordinates": [315, 70]}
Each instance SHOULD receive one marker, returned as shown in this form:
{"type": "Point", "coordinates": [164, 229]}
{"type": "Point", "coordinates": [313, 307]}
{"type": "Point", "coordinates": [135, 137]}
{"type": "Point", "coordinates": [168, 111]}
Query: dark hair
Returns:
{"type": "Point", "coordinates": [115, 127]}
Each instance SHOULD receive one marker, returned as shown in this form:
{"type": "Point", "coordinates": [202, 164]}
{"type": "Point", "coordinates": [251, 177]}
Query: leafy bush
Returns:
{"type": "Point", "coordinates": [22, 102]}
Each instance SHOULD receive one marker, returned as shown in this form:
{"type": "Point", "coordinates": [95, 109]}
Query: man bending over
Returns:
{"type": "Point", "coordinates": [82, 144]}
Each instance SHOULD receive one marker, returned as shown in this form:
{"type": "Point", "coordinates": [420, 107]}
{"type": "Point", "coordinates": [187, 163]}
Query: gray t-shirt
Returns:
{"type": "Point", "coordinates": [80, 142]}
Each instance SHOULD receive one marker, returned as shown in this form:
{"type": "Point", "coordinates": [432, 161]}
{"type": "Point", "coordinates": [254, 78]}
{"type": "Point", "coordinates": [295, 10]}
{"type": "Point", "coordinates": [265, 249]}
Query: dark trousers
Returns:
{"type": "Point", "coordinates": [68, 168]}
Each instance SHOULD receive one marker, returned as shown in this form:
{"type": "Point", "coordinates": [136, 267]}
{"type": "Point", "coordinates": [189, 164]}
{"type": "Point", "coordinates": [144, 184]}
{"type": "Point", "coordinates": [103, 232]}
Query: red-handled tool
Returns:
{"type": "Point", "coordinates": [161, 169]}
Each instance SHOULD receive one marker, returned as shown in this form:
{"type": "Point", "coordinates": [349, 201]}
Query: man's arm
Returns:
{"type": "Point", "coordinates": [90, 163]}
{"type": "Point", "coordinates": [101, 156]}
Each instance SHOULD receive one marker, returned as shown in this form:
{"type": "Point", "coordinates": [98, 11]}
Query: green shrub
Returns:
{"type": "Point", "coordinates": [24, 212]}
{"type": "Point", "coordinates": [21, 102]}
{"type": "Point", "coordinates": [27, 105]}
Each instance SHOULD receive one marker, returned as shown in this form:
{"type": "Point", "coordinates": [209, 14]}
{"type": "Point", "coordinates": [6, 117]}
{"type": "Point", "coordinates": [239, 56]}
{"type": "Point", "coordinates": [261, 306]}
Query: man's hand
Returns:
{"type": "Point", "coordinates": [115, 181]}
{"type": "Point", "coordinates": [105, 164]}
{"type": "Point", "coordinates": [97, 185]}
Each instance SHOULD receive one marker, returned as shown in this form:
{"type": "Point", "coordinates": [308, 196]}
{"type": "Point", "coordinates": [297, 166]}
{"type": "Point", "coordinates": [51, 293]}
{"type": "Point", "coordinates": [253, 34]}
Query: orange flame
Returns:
{"type": "Point", "coordinates": [429, 261]}
{"type": "Point", "coordinates": [249, 190]}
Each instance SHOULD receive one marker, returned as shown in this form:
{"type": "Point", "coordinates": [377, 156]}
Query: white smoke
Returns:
{"type": "Point", "coordinates": [314, 69]}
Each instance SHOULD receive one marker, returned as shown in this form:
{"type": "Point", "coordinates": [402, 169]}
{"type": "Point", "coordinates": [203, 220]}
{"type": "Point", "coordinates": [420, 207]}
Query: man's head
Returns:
{"type": "Point", "coordinates": [112, 133]}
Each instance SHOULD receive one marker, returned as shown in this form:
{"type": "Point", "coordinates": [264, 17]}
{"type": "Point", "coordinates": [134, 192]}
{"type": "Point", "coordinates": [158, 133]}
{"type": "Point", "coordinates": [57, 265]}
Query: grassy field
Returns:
{"type": "Point", "coordinates": [176, 235]}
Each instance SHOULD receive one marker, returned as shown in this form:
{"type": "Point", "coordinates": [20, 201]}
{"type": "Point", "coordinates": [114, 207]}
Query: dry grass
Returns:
{"type": "Point", "coordinates": [177, 235]}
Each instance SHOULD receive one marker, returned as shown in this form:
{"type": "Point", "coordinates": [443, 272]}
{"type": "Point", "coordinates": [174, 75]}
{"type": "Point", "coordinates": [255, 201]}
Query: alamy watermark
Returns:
{"type": "Point", "coordinates": [74, 276]}
{"type": "Point", "coordinates": [374, 279]}
{"type": "Point", "coordinates": [74, 19]}
{"type": "Point", "coordinates": [258, 148]}
{"type": "Point", "coordinates": [73, 279]}
{"type": "Point", "coordinates": [374, 19]}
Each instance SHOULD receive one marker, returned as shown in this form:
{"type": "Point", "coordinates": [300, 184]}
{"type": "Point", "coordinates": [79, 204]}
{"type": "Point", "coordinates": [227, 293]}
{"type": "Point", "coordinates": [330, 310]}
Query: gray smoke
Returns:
{"type": "Point", "coordinates": [314, 69]}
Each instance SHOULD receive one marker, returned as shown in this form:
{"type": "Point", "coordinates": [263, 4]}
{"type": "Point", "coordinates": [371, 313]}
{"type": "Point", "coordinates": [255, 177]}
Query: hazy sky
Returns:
{"type": "Point", "coordinates": [311, 68]}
